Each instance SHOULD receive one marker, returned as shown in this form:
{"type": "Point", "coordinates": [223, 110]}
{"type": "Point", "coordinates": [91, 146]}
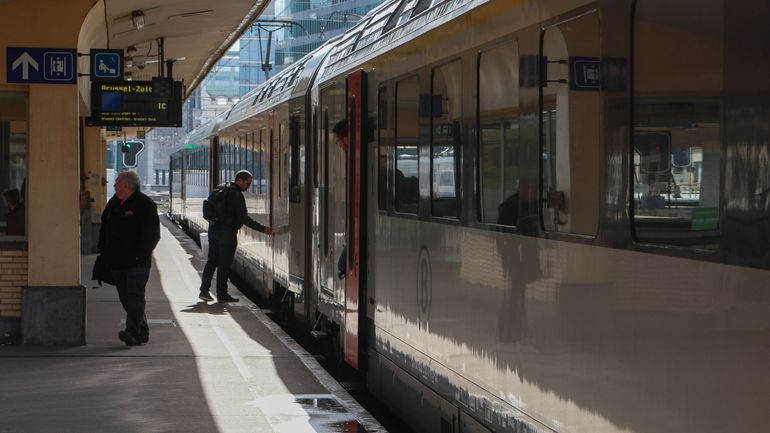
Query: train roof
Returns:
{"type": "Point", "coordinates": [394, 23]}
{"type": "Point", "coordinates": [201, 134]}
{"type": "Point", "coordinates": [291, 82]}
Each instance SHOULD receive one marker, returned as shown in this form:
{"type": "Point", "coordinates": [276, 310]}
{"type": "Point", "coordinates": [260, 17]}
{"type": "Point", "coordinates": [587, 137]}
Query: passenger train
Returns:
{"type": "Point", "coordinates": [556, 212]}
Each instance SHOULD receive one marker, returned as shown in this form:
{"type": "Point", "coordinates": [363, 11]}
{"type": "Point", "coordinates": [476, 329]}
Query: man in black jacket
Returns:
{"type": "Point", "coordinates": [129, 233]}
{"type": "Point", "coordinates": [223, 237]}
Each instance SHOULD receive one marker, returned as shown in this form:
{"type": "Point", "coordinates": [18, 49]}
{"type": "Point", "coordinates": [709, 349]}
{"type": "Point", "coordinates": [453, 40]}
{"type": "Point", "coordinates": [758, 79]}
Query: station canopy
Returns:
{"type": "Point", "coordinates": [195, 34]}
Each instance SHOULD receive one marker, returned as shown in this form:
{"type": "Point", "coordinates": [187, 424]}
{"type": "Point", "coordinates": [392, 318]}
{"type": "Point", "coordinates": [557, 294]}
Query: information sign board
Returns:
{"type": "Point", "coordinates": [134, 103]}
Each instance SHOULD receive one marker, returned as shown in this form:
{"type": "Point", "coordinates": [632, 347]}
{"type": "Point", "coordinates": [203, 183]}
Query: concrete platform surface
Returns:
{"type": "Point", "coordinates": [207, 368]}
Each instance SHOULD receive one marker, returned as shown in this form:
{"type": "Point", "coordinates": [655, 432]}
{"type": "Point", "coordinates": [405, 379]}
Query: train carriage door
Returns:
{"type": "Point", "coordinates": [354, 290]}
{"type": "Point", "coordinates": [271, 168]}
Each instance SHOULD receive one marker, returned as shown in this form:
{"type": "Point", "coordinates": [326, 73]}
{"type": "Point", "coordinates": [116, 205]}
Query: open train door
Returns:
{"type": "Point", "coordinates": [355, 221]}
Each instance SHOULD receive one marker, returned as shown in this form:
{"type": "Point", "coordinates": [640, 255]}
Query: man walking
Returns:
{"type": "Point", "coordinates": [129, 233]}
{"type": "Point", "coordinates": [223, 236]}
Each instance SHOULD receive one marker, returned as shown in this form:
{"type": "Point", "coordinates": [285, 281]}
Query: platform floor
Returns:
{"type": "Point", "coordinates": [207, 368]}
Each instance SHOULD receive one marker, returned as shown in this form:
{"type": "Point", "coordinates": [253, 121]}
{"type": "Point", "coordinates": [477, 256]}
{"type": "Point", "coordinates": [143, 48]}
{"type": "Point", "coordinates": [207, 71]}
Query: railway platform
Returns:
{"type": "Point", "coordinates": [207, 367]}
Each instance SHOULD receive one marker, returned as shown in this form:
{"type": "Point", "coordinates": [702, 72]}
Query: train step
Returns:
{"type": "Point", "coordinates": [319, 335]}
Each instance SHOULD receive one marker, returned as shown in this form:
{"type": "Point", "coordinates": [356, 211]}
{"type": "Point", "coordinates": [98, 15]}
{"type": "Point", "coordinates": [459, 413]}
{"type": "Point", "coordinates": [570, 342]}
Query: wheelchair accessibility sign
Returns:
{"type": "Point", "coordinates": [106, 65]}
{"type": "Point", "coordinates": [41, 65]}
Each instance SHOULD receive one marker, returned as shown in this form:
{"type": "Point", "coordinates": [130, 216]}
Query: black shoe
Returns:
{"type": "Point", "coordinates": [227, 298]}
{"type": "Point", "coordinates": [143, 339]}
{"type": "Point", "coordinates": [205, 296]}
{"type": "Point", "coordinates": [127, 338]}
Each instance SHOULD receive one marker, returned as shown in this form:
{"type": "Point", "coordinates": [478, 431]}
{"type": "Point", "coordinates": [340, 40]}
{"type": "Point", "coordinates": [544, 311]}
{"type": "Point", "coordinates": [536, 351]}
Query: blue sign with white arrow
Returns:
{"type": "Point", "coordinates": [41, 65]}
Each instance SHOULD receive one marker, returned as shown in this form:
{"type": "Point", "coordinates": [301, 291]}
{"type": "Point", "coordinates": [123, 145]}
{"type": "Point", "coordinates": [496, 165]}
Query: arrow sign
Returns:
{"type": "Point", "coordinates": [41, 65]}
{"type": "Point", "coordinates": [25, 60]}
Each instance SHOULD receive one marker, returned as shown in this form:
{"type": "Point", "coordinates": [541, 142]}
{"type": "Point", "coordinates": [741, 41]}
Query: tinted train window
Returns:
{"type": "Point", "coordinates": [446, 112]}
{"type": "Point", "coordinates": [261, 164]}
{"type": "Point", "coordinates": [252, 160]}
{"type": "Point", "coordinates": [677, 146]}
{"type": "Point", "coordinates": [499, 135]}
{"type": "Point", "coordinates": [407, 145]}
{"type": "Point", "coordinates": [383, 142]}
{"type": "Point", "coordinates": [571, 119]}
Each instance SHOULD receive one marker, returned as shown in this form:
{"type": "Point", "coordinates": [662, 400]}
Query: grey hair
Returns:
{"type": "Point", "coordinates": [131, 179]}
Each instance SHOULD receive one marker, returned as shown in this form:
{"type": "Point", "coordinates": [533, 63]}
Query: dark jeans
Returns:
{"type": "Point", "coordinates": [222, 244]}
{"type": "Point", "coordinates": [130, 283]}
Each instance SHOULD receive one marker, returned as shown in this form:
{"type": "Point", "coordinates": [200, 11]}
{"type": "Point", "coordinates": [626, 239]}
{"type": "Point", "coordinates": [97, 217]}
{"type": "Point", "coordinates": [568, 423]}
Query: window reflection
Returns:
{"type": "Point", "coordinates": [499, 135]}
{"type": "Point", "coordinates": [446, 112]}
{"type": "Point", "coordinates": [13, 163]}
{"type": "Point", "coordinates": [571, 126]}
{"type": "Point", "coordinates": [677, 148]}
{"type": "Point", "coordinates": [407, 150]}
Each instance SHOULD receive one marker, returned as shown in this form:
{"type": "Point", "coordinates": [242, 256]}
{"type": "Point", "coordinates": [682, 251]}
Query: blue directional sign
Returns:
{"type": "Point", "coordinates": [41, 65]}
{"type": "Point", "coordinates": [106, 65]}
{"type": "Point", "coordinates": [585, 73]}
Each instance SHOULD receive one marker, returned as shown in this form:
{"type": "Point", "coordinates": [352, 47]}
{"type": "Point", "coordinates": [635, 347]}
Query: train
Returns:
{"type": "Point", "coordinates": [555, 213]}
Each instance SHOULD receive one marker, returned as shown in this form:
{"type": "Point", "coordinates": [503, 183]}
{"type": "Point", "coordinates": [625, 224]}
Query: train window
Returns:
{"type": "Point", "coordinates": [383, 143]}
{"type": "Point", "coordinates": [677, 145]}
{"type": "Point", "coordinates": [244, 165]}
{"type": "Point", "coordinates": [220, 162]}
{"type": "Point", "coordinates": [244, 152]}
{"type": "Point", "coordinates": [231, 159]}
{"type": "Point", "coordinates": [231, 154]}
{"type": "Point", "coordinates": [265, 160]}
{"type": "Point", "coordinates": [282, 172]}
{"type": "Point", "coordinates": [260, 157]}
{"type": "Point", "coordinates": [498, 138]}
{"type": "Point", "coordinates": [391, 24]}
{"type": "Point", "coordinates": [295, 180]}
{"type": "Point", "coordinates": [223, 161]}
{"type": "Point", "coordinates": [446, 112]}
{"type": "Point", "coordinates": [250, 159]}
{"type": "Point", "coordinates": [238, 154]}
{"type": "Point", "coordinates": [571, 119]}
{"type": "Point", "coordinates": [228, 161]}
{"type": "Point", "coordinates": [407, 145]}
{"type": "Point", "coordinates": [325, 168]}
{"type": "Point", "coordinates": [420, 7]}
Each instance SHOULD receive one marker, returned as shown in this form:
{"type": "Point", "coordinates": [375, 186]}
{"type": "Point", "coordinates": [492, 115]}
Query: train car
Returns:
{"type": "Point", "coordinates": [191, 177]}
{"type": "Point", "coordinates": [552, 215]}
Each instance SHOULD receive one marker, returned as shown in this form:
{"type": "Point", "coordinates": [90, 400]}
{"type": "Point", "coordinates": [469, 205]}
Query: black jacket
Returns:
{"type": "Point", "coordinates": [15, 221]}
{"type": "Point", "coordinates": [235, 210]}
{"type": "Point", "coordinates": [129, 232]}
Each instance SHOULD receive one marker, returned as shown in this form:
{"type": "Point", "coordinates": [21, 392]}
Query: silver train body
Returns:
{"type": "Point", "coordinates": [556, 213]}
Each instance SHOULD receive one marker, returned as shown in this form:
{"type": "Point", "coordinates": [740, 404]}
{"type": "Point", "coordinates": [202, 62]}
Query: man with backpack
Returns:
{"type": "Point", "coordinates": [225, 209]}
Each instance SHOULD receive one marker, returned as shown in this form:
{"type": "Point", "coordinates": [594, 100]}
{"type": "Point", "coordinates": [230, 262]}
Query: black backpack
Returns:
{"type": "Point", "coordinates": [214, 207]}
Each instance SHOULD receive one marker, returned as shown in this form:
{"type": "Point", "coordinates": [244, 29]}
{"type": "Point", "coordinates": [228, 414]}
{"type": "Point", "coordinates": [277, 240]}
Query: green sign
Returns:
{"type": "Point", "coordinates": [705, 218]}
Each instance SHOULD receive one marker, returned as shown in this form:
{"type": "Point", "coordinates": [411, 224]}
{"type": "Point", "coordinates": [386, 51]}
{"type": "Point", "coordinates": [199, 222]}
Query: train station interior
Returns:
{"type": "Point", "coordinates": [437, 216]}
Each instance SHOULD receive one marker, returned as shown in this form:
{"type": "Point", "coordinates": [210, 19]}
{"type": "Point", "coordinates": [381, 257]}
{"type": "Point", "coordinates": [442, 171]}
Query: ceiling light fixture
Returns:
{"type": "Point", "coordinates": [137, 17]}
